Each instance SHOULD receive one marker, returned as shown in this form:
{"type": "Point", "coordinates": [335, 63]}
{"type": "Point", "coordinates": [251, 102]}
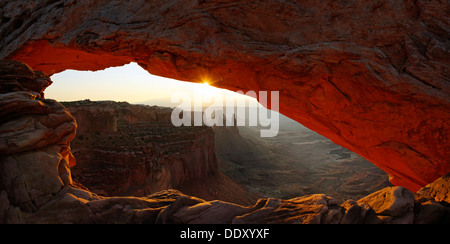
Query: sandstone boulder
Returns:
{"type": "Point", "coordinates": [77, 206]}
{"type": "Point", "coordinates": [433, 202]}
{"type": "Point", "coordinates": [438, 191]}
{"type": "Point", "coordinates": [314, 209]}
{"type": "Point", "coordinates": [392, 205]}
{"type": "Point", "coordinates": [355, 213]}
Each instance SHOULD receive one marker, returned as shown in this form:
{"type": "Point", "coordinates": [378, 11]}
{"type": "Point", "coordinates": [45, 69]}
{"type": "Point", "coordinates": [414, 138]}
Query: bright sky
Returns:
{"type": "Point", "coordinates": [129, 83]}
{"type": "Point", "coordinates": [133, 84]}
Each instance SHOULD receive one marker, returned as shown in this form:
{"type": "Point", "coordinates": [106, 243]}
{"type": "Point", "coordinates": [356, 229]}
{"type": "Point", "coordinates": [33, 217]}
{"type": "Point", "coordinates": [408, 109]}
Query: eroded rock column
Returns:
{"type": "Point", "coordinates": [34, 141]}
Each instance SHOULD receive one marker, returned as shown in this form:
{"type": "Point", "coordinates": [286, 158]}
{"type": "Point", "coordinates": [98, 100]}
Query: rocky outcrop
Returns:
{"type": "Point", "coordinates": [72, 205]}
{"type": "Point", "coordinates": [433, 202]}
{"type": "Point", "coordinates": [370, 75]}
{"type": "Point", "coordinates": [76, 206]}
{"type": "Point", "coordinates": [392, 205]}
{"type": "Point", "coordinates": [35, 135]}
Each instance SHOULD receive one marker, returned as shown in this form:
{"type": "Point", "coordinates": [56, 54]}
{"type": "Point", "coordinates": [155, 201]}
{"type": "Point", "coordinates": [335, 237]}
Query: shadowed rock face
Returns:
{"type": "Point", "coordinates": [370, 75]}
{"type": "Point", "coordinates": [35, 135]}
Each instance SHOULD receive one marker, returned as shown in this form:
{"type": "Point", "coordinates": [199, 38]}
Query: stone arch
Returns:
{"type": "Point", "coordinates": [372, 78]}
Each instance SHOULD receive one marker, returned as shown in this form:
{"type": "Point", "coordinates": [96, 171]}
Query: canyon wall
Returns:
{"type": "Point", "coordinates": [373, 76]}
{"type": "Point", "coordinates": [134, 150]}
{"type": "Point", "coordinates": [125, 149]}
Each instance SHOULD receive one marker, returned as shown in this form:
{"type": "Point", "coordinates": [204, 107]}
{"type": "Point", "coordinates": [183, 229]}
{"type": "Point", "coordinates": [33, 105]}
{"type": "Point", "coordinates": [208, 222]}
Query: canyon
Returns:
{"type": "Point", "coordinates": [372, 76]}
{"type": "Point", "coordinates": [297, 162]}
{"type": "Point", "coordinates": [134, 150]}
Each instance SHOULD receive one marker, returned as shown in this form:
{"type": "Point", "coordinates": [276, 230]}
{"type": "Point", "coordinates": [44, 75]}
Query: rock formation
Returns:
{"type": "Point", "coordinates": [134, 150]}
{"type": "Point", "coordinates": [35, 135]}
{"type": "Point", "coordinates": [120, 155]}
{"type": "Point", "coordinates": [370, 75]}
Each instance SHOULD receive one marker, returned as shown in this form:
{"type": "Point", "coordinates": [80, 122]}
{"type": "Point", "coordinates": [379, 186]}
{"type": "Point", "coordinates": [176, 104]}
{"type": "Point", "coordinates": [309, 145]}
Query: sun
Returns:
{"type": "Point", "coordinates": [205, 90]}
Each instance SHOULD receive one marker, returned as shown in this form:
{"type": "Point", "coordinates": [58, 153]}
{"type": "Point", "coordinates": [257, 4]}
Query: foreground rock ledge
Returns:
{"type": "Point", "coordinates": [371, 75]}
{"type": "Point", "coordinates": [393, 205]}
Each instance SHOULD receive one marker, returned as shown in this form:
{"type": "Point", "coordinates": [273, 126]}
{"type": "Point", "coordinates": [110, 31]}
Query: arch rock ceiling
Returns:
{"type": "Point", "coordinates": [373, 76]}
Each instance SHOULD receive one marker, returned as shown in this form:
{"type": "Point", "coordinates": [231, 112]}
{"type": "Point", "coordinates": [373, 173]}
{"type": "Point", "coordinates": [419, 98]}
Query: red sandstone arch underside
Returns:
{"type": "Point", "coordinates": [371, 76]}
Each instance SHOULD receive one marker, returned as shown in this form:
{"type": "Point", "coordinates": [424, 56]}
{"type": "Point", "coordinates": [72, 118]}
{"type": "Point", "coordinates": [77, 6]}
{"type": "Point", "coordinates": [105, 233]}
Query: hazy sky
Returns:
{"type": "Point", "coordinates": [128, 83]}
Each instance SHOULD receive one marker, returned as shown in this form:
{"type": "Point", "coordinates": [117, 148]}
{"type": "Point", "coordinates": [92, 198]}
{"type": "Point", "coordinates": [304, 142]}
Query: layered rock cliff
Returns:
{"type": "Point", "coordinates": [370, 75]}
{"type": "Point", "coordinates": [134, 150]}
{"type": "Point", "coordinates": [36, 184]}
{"type": "Point", "coordinates": [35, 135]}
{"type": "Point", "coordinates": [120, 153]}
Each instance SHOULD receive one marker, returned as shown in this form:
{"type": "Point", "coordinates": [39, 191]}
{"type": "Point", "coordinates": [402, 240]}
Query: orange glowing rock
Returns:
{"type": "Point", "coordinates": [373, 78]}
